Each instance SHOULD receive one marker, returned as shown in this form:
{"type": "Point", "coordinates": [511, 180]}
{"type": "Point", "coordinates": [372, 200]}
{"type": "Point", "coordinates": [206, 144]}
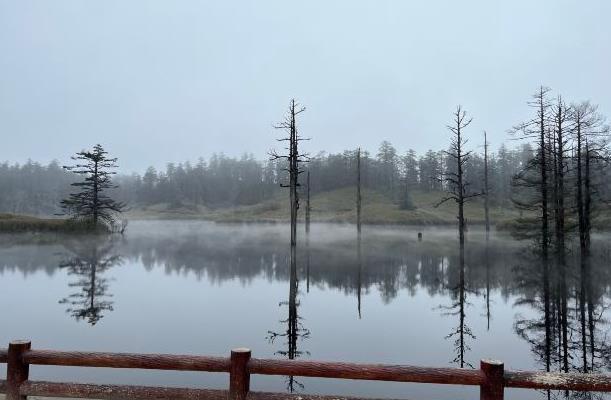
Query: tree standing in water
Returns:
{"type": "Point", "coordinates": [534, 177]}
{"type": "Point", "coordinates": [293, 160]}
{"type": "Point", "coordinates": [588, 125]}
{"type": "Point", "coordinates": [457, 190]}
{"type": "Point", "coordinates": [91, 202]}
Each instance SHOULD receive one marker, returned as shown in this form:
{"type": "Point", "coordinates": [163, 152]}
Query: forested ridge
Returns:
{"type": "Point", "coordinates": [222, 181]}
{"type": "Point", "coordinates": [558, 163]}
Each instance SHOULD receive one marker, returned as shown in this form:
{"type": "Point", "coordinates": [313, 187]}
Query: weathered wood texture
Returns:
{"type": "Point", "coordinates": [239, 377]}
{"type": "Point", "coordinates": [491, 378]}
{"type": "Point", "coordinates": [380, 372]}
{"type": "Point", "coordinates": [558, 381]}
{"type": "Point", "coordinates": [127, 360]}
{"type": "Point", "coordinates": [493, 388]}
{"type": "Point", "coordinates": [17, 371]}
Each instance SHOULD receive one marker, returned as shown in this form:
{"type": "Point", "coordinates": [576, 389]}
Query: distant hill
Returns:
{"type": "Point", "coordinates": [338, 206]}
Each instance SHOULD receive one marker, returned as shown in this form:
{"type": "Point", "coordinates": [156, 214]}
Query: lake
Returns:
{"type": "Point", "coordinates": [203, 288]}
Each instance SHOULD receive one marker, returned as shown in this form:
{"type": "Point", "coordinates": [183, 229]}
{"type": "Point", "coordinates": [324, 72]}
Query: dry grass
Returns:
{"type": "Point", "coordinates": [338, 206]}
{"type": "Point", "coordinates": [12, 223]}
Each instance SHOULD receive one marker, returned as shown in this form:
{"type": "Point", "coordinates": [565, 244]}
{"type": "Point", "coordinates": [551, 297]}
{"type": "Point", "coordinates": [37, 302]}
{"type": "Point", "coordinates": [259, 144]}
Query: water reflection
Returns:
{"type": "Point", "coordinates": [560, 310]}
{"type": "Point", "coordinates": [389, 263]}
{"type": "Point", "coordinates": [569, 296]}
{"type": "Point", "coordinates": [90, 258]}
{"type": "Point", "coordinates": [295, 331]}
{"type": "Point", "coordinates": [461, 334]}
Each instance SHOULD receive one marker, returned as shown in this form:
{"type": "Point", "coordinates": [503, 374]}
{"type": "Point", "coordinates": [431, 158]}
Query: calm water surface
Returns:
{"type": "Point", "coordinates": [203, 288]}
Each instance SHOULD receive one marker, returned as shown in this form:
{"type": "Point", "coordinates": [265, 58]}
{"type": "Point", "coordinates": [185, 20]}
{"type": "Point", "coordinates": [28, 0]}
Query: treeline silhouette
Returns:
{"type": "Point", "coordinates": [223, 181]}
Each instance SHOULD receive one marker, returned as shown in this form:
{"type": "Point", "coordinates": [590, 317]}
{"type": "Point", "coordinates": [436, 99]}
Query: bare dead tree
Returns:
{"type": "Point", "coordinates": [457, 191]}
{"type": "Point", "coordinates": [588, 127]}
{"type": "Point", "coordinates": [486, 188]}
{"type": "Point", "coordinates": [359, 250]}
{"type": "Point", "coordinates": [293, 160]}
{"type": "Point", "coordinates": [534, 176]}
{"type": "Point", "coordinates": [559, 148]}
{"type": "Point", "coordinates": [308, 210]}
{"type": "Point", "coordinates": [358, 191]}
{"type": "Point", "coordinates": [456, 186]}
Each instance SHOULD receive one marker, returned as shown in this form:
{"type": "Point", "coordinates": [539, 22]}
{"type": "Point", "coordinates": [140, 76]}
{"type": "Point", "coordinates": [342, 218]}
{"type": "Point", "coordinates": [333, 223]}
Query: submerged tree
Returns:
{"type": "Point", "coordinates": [91, 202]}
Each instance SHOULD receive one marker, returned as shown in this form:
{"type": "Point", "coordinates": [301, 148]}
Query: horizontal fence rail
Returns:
{"type": "Point", "coordinates": [372, 372]}
{"type": "Point", "coordinates": [491, 377]}
{"type": "Point", "coordinates": [127, 360]}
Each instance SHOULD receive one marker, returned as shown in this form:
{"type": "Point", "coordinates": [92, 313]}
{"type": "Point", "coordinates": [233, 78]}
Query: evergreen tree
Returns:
{"type": "Point", "coordinates": [90, 202]}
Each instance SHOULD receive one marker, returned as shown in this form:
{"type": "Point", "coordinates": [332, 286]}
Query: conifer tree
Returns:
{"type": "Point", "coordinates": [91, 201]}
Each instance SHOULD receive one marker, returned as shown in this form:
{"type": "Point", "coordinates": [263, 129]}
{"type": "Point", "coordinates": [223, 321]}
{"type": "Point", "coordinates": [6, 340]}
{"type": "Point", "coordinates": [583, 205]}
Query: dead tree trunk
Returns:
{"type": "Point", "coordinates": [358, 228]}
{"type": "Point", "coordinates": [308, 210]}
{"type": "Point", "coordinates": [486, 188]}
{"type": "Point", "coordinates": [455, 183]}
{"type": "Point", "coordinates": [537, 128]}
{"type": "Point", "coordinates": [293, 160]}
{"type": "Point", "coordinates": [559, 155]}
{"type": "Point", "coordinates": [358, 191]}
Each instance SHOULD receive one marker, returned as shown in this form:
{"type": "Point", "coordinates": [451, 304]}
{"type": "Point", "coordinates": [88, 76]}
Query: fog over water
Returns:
{"type": "Point", "coordinates": [204, 288]}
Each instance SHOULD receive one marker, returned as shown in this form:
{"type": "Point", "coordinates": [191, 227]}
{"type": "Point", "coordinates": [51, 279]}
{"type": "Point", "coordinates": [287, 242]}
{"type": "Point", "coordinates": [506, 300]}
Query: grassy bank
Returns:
{"type": "Point", "coordinates": [336, 206]}
{"type": "Point", "coordinates": [12, 223]}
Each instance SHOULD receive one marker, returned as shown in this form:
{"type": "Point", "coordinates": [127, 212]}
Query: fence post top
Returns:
{"type": "Point", "coordinates": [19, 343]}
{"type": "Point", "coordinates": [491, 362]}
{"type": "Point", "coordinates": [240, 350]}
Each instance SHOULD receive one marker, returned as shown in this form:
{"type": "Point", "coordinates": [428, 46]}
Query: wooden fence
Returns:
{"type": "Point", "coordinates": [491, 377]}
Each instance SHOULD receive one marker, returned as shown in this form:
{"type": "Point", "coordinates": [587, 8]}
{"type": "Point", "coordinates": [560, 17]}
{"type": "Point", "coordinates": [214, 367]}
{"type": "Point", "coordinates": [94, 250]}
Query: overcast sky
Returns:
{"type": "Point", "coordinates": [161, 81]}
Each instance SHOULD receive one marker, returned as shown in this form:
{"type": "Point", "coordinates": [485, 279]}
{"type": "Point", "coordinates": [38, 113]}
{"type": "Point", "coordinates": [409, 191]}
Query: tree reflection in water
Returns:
{"type": "Point", "coordinates": [462, 333]}
{"type": "Point", "coordinates": [90, 259]}
{"type": "Point", "coordinates": [387, 264]}
{"type": "Point", "coordinates": [569, 332]}
{"type": "Point", "coordinates": [295, 330]}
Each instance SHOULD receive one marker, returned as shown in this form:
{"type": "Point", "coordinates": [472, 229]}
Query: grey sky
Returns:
{"type": "Point", "coordinates": [160, 81]}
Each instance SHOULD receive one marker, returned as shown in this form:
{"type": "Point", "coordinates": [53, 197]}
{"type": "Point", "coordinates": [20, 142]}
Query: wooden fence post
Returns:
{"type": "Point", "coordinates": [239, 376]}
{"type": "Point", "coordinates": [494, 387]}
{"type": "Point", "coordinates": [16, 370]}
